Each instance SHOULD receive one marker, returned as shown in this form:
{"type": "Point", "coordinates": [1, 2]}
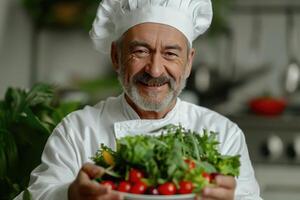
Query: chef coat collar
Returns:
{"type": "Point", "coordinates": [135, 125]}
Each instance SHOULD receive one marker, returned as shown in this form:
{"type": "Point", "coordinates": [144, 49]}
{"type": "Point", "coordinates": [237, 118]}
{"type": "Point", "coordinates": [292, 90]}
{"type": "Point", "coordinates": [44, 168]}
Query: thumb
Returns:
{"type": "Point", "coordinates": [93, 171]}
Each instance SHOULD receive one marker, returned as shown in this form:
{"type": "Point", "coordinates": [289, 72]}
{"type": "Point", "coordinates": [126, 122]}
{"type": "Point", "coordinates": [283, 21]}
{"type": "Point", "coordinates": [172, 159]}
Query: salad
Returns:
{"type": "Point", "coordinates": [177, 161]}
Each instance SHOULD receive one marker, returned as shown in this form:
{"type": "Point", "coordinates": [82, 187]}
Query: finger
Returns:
{"type": "Point", "coordinates": [225, 181]}
{"type": "Point", "coordinates": [198, 197]}
{"type": "Point", "coordinates": [89, 187]}
{"type": "Point", "coordinates": [92, 170]}
{"type": "Point", "coordinates": [217, 193]}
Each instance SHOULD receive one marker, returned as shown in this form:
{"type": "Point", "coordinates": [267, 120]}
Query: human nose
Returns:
{"type": "Point", "coordinates": [155, 67]}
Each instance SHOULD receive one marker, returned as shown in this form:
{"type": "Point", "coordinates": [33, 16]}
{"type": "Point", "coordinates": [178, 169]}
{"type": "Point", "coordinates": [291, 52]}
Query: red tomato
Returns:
{"type": "Point", "coordinates": [190, 163]}
{"type": "Point", "coordinates": [213, 176]}
{"type": "Point", "coordinates": [167, 189]}
{"type": "Point", "coordinates": [153, 191]}
{"type": "Point", "coordinates": [124, 186]}
{"type": "Point", "coordinates": [210, 177]}
{"type": "Point", "coordinates": [135, 175]}
{"type": "Point", "coordinates": [185, 187]}
{"type": "Point", "coordinates": [206, 176]}
{"type": "Point", "coordinates": [110, 184]}
{"type": "Point", "coordinates": [138, 188]}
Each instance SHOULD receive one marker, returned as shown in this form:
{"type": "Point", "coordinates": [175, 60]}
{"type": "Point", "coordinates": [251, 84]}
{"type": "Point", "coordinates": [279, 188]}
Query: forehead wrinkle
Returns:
{"type": "Point", "coordinates": [155, 38]}
{"type": "Point", "coordinates": [173, 46]}
{"type": "Point", "coordinates": [164, 44]}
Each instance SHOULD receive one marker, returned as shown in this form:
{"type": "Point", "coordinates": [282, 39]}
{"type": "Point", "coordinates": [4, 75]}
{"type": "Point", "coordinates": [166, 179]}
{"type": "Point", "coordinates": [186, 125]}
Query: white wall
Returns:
{"type": "Point", "coordinates": [67, 55]}
{"type": "Point", "coordinates": [3, 11]}
{"type": "Point", "coordinates": [15, 32]}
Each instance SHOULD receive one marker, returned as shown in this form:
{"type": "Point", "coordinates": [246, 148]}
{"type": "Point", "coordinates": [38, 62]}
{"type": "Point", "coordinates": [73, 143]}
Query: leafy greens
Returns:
{"type": "Point", "coordinates": [163, 157]}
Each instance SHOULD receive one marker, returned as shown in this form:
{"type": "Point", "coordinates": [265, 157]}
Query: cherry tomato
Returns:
{"type": "Point", "coordinates": [190, 163]}
{"type": "Point", "coordinates": [213, 176]}
{"type": "Point", "coordinates": [135, 175]}
{"type": "Point", "coordinates": [110, 184]}
{"type": "Point", "coordinates": [124, 186]}
{"type": "Point", "coordinates": [167, 189]}
{"type": "Point", "coordinates": [206, 176]}
{"type": "Point", "coordinates": [138, 188]}
{"type": "Point", "coordinates": [153, 191]}
{"type": "Point", "coordinates": [210, 177]}
{"type": "Point", "coordinates": [185, 187]}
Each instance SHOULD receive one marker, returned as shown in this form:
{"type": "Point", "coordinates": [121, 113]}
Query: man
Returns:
{"type": "Point", "coordinates": [151, 50]}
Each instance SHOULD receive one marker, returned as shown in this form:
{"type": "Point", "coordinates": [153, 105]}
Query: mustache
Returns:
{"type": "Point", "coordinates": [147, 79]}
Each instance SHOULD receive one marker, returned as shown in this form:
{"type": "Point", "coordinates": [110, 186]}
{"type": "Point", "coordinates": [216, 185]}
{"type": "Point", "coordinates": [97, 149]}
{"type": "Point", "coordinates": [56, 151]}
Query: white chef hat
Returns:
{"type": "Point", "coordinates": [115, 17]}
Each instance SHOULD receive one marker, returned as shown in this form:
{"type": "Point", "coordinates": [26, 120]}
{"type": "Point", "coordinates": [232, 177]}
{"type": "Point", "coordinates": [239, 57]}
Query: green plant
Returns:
{"type": "Point", "coordinates": [27, 118]}
{"type": "Point", "coordinates": [99, 88]}
{"type": "Point", "coordinates": [62, 13]}
{"type": "Point", "coordinates": [221, 10]}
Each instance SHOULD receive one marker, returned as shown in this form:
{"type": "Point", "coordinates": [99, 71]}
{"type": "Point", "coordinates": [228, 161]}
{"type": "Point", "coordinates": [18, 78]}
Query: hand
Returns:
{"type": "Point", "coordinates": [223, 191]}
{"type": "Point", "coordinates": [83, 187]}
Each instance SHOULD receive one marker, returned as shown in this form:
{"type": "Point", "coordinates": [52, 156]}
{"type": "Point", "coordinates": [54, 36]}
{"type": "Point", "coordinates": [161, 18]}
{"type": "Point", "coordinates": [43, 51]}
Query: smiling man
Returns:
{"type": "Point", "coordinates": [150, 42]}
{"type": "Point", "coordinates": [153, 61]}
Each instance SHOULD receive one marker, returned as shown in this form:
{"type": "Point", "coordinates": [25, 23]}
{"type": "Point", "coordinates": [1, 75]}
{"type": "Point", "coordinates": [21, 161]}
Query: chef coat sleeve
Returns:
{"type": "Point", "coordinates": [58, 168]}
{"type": "Point", "coordinates": [234, 144]}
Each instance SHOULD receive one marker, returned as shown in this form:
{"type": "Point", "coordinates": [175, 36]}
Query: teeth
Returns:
{"type": "Point", "coordinates": [152, 83]}
{"type": "Point", "coordinates": [155, 85]}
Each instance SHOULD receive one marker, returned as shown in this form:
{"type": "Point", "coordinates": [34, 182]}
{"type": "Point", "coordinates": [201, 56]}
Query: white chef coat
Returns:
{"type": "Point", "coordinates": [76, 139]}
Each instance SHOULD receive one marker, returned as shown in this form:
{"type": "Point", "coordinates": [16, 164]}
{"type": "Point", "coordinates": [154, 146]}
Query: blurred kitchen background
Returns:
{"type": "Point", "coordinates": [246, 67]}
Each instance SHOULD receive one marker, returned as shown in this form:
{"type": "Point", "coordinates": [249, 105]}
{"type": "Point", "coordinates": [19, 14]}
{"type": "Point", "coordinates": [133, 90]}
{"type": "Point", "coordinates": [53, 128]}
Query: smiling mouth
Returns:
{"type": "Point", "coordinates": [153, 84]}
{"type": "Point", "coordinates": [146, 80]}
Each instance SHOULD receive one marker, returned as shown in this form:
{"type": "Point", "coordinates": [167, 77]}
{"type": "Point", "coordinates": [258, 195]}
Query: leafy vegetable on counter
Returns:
{"type": "Point", "coordinates": [177, 161]}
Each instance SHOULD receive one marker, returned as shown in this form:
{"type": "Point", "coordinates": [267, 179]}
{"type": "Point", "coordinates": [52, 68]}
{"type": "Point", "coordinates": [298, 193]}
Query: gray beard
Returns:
{"type": "Point", "coordinates": [149, 103]}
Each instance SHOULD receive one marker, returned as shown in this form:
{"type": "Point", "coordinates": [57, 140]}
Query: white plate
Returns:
{"type": "Point", "coordinates": [128, 196]}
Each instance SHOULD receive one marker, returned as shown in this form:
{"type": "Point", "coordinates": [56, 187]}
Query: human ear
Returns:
{"type": "Point", "coordinates": [114, 56]}
{"type": "Point", "coordinates": [189, 62]}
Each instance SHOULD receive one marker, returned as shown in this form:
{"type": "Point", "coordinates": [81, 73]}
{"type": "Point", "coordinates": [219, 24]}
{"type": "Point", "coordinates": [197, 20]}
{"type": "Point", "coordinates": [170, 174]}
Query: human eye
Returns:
{"type": "Point", "coordinates": [140, 52]}
{"type": "Point", "coordinates": [171, 55]}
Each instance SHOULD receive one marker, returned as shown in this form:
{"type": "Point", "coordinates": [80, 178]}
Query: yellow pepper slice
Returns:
{"type": "Point", "coordinates": [108, 158]}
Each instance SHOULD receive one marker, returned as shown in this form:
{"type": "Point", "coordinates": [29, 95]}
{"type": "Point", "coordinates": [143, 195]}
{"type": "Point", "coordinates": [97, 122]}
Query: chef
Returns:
{"type": "Point", "coordinates": [150, 43]}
